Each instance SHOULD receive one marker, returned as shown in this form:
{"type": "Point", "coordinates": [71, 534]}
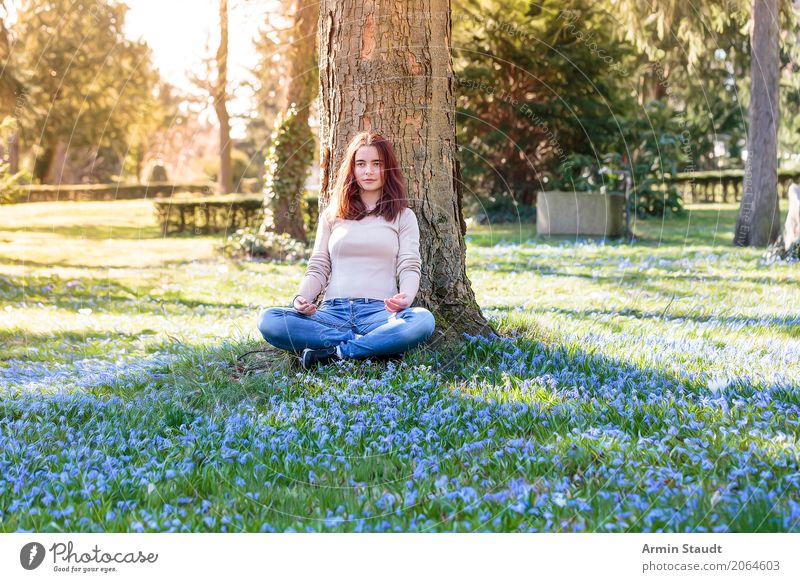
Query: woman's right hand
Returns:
{"type": "Point", "coordinates": [302, 305]}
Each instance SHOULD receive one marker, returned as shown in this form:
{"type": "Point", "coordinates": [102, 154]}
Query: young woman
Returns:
{"type": "Point", "coordinates": [366, 258]}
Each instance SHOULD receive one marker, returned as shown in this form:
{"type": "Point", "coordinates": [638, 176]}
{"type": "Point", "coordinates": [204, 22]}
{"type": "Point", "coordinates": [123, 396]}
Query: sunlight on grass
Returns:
{"type": "Point", "coordinates": [90, 234]}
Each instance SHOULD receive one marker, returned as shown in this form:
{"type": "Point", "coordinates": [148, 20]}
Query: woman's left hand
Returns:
{"type": "Point", "coordinates": [397, 302]}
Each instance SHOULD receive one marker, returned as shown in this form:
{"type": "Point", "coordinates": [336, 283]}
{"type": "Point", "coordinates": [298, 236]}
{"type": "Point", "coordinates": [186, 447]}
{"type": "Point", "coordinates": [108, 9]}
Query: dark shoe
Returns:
{"type": "Point", "coordinates": [309, 359]}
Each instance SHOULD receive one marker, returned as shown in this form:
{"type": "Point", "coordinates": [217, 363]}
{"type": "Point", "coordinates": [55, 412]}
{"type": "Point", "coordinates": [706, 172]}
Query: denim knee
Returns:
{"type": "Point", "coordinates": [421, 324]}
{"type": "Point", "coordinates": [427, 322]}
{"type": "Point", "coordinates": [271, 323]}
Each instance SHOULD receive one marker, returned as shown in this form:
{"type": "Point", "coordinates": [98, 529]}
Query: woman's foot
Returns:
{"type": "Point", "coordinates": [311, 358]}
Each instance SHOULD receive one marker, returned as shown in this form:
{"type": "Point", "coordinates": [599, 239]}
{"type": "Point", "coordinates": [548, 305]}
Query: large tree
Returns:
{"type": "Point", "coordinates": [759, 215]}
{"type": "Point", "coordinates": [292, 148]}
{"type": "Point", "coordinates": [386, 66]}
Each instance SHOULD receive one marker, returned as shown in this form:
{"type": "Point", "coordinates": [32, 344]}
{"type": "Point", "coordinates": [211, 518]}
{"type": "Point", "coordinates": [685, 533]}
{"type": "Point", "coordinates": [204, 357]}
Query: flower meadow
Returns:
{"type": "Point", "coordinates": [630, 387]}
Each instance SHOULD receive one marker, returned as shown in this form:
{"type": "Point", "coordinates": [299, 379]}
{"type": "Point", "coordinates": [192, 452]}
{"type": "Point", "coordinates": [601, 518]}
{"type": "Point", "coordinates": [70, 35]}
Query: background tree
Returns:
{"type": "Point", "coordinates": [691, 26]}
{"type": "Point", "coordinates": [154, 122]}
{"type": "Point", "coordinates": [86, 84]}
{"type": "Point", "coordinates": [386, 66]}
{"type": "Point", "coordinates": [12, 96]}
{"type": "Point", "coordinates": [292, 148]}
{"type": "Point", "coordinates": [531, 93]}
{"type": "Point", "coordinates": [702, 52]}
{"type": "Point", "coordinates": [158, 144]}
{"type": "Point", "coordinates": [230, 165]}
{"type": "Point", "coordinates": [220, 95]}
{"type": "Point", "coordinates": [758, 223]}
{"type": "Point", "coordinates": [268, 84]}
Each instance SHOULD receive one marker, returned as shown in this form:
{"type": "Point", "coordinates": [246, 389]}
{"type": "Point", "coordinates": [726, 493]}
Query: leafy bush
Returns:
{"type": "Point", "coordinates": [11, 190]}
{"type": "Point", "coordinates": [290, 154]}
{"type": "Point", "coordinates": [208, 214]}
{"type": "Point", "coordinates": [259, 243]}
{"type": "Point", "coordinates": [652, 157]}
{"type": "Point", "coordinates": [10, 183]}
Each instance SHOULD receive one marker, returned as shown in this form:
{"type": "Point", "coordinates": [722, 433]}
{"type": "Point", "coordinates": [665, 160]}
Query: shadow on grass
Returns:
{"type": "Point", "coordinates": [45, 346]}
{"type": "Point", "coordinates": [533, 266]}
{"type": "Point", "coordinates": [786, 325]}
{"type": "Point", "coordinates": [5, 260]}
{"type": "Point", "coordinates": [75, 293]}
{"type": "Point", "coordinates": [92, 231]}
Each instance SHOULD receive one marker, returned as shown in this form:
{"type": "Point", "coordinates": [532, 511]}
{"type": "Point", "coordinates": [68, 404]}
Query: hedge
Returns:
{"type": "Point", "coordinates": [221, 214]}
{"type": "Point", "coordinates": [106, 192]}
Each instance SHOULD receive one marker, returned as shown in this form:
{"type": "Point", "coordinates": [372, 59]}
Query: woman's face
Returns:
{"type": "Point", "coordinates": [368, 169]}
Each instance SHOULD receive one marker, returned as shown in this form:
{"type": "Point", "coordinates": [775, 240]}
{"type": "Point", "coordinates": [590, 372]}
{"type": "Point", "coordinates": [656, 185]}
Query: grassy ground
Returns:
{"type": "Point", "coordinates": [644, 387]}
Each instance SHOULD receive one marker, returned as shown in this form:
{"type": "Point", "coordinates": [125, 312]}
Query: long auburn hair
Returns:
{"type": "Point", "coordinates": [346, 198]}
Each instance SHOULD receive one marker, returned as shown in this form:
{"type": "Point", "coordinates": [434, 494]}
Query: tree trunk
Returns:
{"type": "Point", "coordinates": [653, 83]}
{"type": "Point", "coordinates": [139, 162]}
{"type": "Point", "coordinates": [386, 66]}
{"type": "Point", "coordinates": [13, 152]}
{"type": "Point", "coordinates": [41, 165]}
{"type": "Point", "coordinates": [759, 215]}
{"type": "Point", "coordinates": [292, 150]}
{"type": "Point", "coordinates": [220, 103]}
{"type": "Point", "coordinates": [57, 166]}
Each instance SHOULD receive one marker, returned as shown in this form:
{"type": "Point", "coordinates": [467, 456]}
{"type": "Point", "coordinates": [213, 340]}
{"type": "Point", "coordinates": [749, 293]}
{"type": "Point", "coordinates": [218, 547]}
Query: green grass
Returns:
{"type": "Point", "coordinates": [646, 386]}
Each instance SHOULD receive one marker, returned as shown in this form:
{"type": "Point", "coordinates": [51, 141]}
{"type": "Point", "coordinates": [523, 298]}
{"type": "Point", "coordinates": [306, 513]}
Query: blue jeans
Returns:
{"type": "Point", "coordinates": [360, 327]}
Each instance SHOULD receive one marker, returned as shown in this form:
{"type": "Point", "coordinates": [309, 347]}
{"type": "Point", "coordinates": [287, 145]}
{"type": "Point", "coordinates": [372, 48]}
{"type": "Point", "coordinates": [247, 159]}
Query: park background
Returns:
{"type": "Point", "coordinates": [160, 182]}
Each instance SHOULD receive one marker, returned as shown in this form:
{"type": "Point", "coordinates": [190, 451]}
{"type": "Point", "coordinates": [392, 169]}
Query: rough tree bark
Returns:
{"type": "Point", "coordinates": [292, 150]}
{"type": "Point", "coordinates": [221, 105]}
{"type": "Point", "coordinates": [386, 66]}
{"type": "Point", "coordinates": [759, 214]}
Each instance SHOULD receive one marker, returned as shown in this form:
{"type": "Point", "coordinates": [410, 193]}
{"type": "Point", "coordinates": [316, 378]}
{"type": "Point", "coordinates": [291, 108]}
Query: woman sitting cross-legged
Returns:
{"type": "Point", "coordinates": [366, 258]}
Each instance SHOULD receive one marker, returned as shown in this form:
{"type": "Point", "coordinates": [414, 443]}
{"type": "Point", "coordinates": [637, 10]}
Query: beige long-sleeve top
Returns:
{"type": "Point", "coordinates": [371, 257]}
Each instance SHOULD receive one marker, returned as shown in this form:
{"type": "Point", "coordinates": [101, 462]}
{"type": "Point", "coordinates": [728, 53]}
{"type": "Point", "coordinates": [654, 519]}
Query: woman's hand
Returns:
{"type": "Point", "coordinates": [302, 305]}
{"type": "Point", "coordinates": [397, 302]}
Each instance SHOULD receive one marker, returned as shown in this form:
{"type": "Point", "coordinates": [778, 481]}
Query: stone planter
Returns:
{"type": "Point", "coordinates": [580, 214]}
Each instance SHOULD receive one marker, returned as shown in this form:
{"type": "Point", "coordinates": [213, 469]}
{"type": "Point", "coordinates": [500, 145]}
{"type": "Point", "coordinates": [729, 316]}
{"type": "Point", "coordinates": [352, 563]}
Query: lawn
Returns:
{"type": "Point", "coordinates": [634, 387]}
